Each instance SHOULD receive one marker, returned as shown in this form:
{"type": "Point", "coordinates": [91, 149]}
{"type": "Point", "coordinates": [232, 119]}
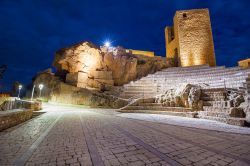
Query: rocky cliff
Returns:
{"type": "Point", "coordinates": [98, 66]}
{"type": "Point", "coordinates": [84, 71]}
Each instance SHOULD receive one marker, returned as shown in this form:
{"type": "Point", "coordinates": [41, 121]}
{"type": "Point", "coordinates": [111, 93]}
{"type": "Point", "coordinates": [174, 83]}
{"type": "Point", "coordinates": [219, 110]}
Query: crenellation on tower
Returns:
{"type": "Point", "coordinates": [189, 42]}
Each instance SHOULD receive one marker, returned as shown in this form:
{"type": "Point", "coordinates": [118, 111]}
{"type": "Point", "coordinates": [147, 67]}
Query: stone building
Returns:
{"type": "Point", "coordinates": [144, 53]}
{"type": "Point", "coordinates": [189, 41]}
{"type": "Point", "coordinates": [244, 63]}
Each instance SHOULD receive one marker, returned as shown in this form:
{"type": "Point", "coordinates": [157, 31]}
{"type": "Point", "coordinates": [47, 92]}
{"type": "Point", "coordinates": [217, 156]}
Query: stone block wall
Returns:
{"type": "Point", "coordinates": [11, 118]}
{"type": "Point", "coordinates": [13, 103]}
{"type": "Point", "coordinates": [190, 40]}
{"type": "Point", "coordinates": [144, 53]}
{"type": "Point", "coordinates": [68, 94]}
{"type": "Point", "coordinates": [244, 63]}
{"type": "Point", "coordinates": [95, 79]}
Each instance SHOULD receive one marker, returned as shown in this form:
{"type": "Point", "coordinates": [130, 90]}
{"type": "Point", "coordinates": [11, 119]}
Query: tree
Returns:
{"type": "Point", "coordinates": [3, 68]}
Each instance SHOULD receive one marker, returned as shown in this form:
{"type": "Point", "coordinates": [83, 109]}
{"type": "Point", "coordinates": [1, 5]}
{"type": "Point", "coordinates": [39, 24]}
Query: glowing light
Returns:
{"type": "Point", "coordinates": [20, 87]}
{"type": "Point", "coordinates": [107, 44]}
{"type": "Point", "coordinates": [41, 86]}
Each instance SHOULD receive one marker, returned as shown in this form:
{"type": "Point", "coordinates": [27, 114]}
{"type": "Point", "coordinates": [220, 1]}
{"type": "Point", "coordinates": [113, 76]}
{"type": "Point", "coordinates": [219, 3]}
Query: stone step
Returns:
{"type": "Point", "coordinates": [231, 121]}
{"type": "Point", "coordinates": [139, 91]}
{"type": "Point", "coordinates": [209, 69]}
{"type": "Point", "coordinates": [157, 108]}
{"type": "Point", "coordinates": [213, 109]}
{"type": "Point", "coordinates": [217, 103]}
{"type": "Point", "coordinates": [127, 96]}
{"type": "Point", "coordinates": [148, 100]}
{"type": "Point", "coordinates": [150, 94]}
{"type": "Point", "coordinates": [215, 90]}
{"type": "Point", "coordinates": [182, 114]}
{"type": "Point", "coordinates": [170, 81]}
{"type": "Point", "coordinates": [208, 98]}
{"type": "Point", "coordinates": [139, 88]}
{"type": "Point", "coordinates": [207, 103]}
{"type": "Point", "coordinates": [194, 78]}
{"type": "Point", "coordinates": [149, 104]}
{"type": "Point", "coordinates": [209, 75]}
{"type": "Point", "coordinates": [236, 121]}
{"type": "Point", "coordinates": [214, 114]}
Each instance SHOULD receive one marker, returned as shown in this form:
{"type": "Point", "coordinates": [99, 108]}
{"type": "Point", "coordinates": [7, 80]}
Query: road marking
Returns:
{"type": "Point", "coordinates": [24, 158]}
{"type": "Point", "coordinates": [95, 156]}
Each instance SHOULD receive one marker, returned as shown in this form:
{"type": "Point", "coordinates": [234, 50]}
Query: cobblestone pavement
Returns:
{"type": "Point", "coordinates": [79, 136]}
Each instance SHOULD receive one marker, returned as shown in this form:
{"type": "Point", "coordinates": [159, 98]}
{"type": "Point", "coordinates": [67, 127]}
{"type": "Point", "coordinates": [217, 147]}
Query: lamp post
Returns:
{"type": "Point", "coordinates": [32, 93]}
{"type": "Point", "coordinates": [19, 89]}
{"type": "Point", "coordinates": [40, 88]}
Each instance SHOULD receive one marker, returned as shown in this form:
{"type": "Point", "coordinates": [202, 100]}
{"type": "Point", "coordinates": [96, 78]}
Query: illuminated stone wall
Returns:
{"type": "Point", "coordinates": [145, 53]}
{"type": "Point", "coordinates": [244, 63]}
{"type": "Point", "coordinates": [190, 40]}
{"type": "Point", "coordinates": [86, 65]}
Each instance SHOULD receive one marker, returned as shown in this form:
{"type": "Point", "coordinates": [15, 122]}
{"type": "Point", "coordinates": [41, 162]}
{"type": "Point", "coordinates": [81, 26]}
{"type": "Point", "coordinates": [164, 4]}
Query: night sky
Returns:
{"type": "Point", "coordinates": [32, 30]}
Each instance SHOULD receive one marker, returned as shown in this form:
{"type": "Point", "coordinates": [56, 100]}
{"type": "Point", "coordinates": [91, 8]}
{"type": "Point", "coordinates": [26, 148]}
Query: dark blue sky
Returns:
{"type": "Point", "coordinates": [32, 30]}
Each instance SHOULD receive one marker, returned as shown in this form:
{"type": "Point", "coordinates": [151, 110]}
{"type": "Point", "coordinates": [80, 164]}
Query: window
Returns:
{"type": "Point", "coordinates": [184, 15]}
{"type": "Point", "coordinates": [171, 34]}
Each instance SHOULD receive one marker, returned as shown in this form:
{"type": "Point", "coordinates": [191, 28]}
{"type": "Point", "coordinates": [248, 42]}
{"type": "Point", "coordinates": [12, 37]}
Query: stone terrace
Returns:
{"type": "Point", "coordinates": [210, 77]}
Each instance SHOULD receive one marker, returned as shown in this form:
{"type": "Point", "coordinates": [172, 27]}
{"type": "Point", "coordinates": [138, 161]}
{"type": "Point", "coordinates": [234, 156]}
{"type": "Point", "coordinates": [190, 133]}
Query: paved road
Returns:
{"type": "Point", "coordinates": [77, 136]}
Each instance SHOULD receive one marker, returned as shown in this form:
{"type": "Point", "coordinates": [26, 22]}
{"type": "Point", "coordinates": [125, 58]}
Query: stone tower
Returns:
{"type": "Point", "coordinates": [190, 40]}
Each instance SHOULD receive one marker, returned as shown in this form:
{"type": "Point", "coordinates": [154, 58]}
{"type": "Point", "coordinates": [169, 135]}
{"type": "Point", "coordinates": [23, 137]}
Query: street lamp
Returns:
{"type": "Point", "coordinates": [32, 93]}
{"type": "Point", "coordinates": [19, 89]}
{"type": "Point", "coordinates": [40, 88]}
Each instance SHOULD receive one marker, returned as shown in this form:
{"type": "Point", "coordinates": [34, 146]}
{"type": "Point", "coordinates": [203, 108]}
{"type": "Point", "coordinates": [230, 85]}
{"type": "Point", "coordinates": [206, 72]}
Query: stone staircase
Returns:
{"type": "Point", "coordinates": [209, 77]}
{"type": "Point", "coordinates": [148, 105]}
{"type": "Point", "coordinates": [217, 107]}
{"type": "Point", "coordinates": [215, 82]}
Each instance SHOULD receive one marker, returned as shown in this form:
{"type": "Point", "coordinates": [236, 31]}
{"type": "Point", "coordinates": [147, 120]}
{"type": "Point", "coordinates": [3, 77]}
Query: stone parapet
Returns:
{"type": "Point", "coordinates": [14, 117]}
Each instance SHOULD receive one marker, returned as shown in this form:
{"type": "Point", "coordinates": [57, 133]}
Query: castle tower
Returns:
{"type": "Point", "coordinates": [190, 40]}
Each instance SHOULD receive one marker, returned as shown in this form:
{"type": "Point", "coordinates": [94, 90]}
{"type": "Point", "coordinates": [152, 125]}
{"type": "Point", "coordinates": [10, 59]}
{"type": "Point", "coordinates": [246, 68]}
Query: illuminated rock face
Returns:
{"type": "Point", "coordinates": [64, 93]}
{"type": "Point", "coordinates": [244, 63]}
{"type": "Point", "coordinates": [145, 53]}
{"type": "Point", "coordinates": [87, 65]}
{"type": "Point", "coordinates": [190, 40]}
{"type": "Point", "coordinates": [48, 79]}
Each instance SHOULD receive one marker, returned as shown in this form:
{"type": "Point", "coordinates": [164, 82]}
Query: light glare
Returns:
{"type": "Point", "coordinates": [41, 86]}
{"type": "Point", "coordinates": [107, 44]}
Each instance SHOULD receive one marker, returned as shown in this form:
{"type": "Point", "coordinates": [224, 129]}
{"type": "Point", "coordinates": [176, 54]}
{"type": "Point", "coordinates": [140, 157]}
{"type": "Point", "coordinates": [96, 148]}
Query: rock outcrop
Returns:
{"type": "Point", "coordinates": [49, 80]}
{"type": "Point", "coordinates": [187, 95]}
{"type": "Point", "coordinates": [90, 75]}
{"type": "Point", "coordinates": [235, 98]}
{"type": "Point", "coordinates": [246, 108]}
{"type": "Point", "coordinates": [86, 65]}
{"type": "Point", "coordinates": [64, 93]}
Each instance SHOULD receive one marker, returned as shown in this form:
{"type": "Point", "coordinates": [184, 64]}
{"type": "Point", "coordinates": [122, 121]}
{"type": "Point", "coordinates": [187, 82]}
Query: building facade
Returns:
{"type": "Point", "coordinates": [244, 63]}
{"type": "Point", "coordinates": [189, 41]}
